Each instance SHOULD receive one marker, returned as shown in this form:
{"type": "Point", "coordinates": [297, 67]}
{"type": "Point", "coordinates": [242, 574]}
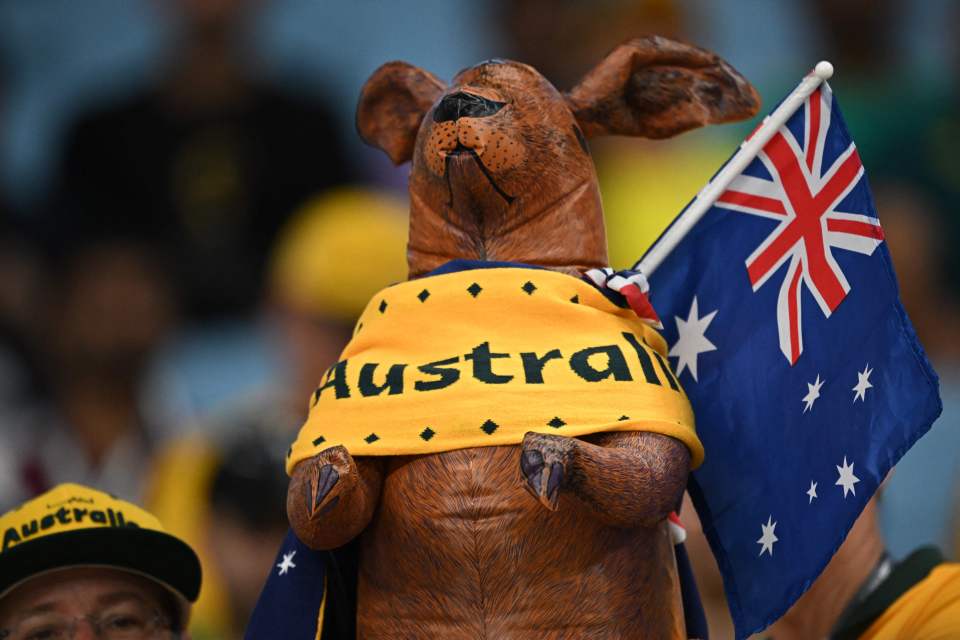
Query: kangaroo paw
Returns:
{"type": "Point", "coordinates": [545, 462]}
{"type": "Point", "coordinates": [330, 474]}
{"type": "Point", "coordinates": [321, 496]}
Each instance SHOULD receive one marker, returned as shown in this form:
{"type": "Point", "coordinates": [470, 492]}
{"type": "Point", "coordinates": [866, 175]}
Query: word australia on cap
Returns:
{"type": "Point", "coordinates": [63, 516]}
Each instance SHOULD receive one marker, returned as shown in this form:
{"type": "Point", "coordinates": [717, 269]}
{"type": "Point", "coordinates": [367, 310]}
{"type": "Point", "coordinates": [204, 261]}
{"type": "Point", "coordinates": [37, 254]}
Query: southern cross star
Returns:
{"type": "Point", "coordinates": [769, 537]}
{"type": "Point", "coordinates": [812, 491]}
{"type": "Point", "coordinates": [692, 339]}
{"type": "Point", "coordinates": [813, 392]}
{"type": "Point", "coordinates": [287, 563]}
{"type": "Point", "coordinates": [847, 479]}
{"type": "Point", "coordinates": [863, 383]}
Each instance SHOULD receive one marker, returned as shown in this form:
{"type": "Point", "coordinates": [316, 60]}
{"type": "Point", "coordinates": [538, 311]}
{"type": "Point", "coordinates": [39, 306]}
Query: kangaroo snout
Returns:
{"type": "Point", "coordinates": [465, 105]}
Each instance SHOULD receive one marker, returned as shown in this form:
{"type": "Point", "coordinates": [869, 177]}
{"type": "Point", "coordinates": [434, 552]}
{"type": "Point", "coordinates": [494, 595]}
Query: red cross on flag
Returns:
{"type": "Point", "coordinates": [803, 196]}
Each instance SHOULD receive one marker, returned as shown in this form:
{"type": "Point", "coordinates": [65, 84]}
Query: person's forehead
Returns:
{"type": "Point", "coordinates": [75, 590]}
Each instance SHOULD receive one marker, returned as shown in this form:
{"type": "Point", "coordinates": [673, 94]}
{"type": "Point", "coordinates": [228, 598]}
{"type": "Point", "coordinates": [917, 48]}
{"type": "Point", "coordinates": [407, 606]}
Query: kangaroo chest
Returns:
{"type": "Point", "coordinates": [458, 549]}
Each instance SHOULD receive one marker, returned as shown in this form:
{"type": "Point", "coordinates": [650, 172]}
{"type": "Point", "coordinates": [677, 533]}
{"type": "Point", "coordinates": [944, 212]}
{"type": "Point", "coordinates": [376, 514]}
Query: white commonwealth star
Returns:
{"type": "Point", "coordinates": [769, 537]}
{"type": "Point", "coordinates": [863, 383]}
{"type": "Point", "coordinates": [812, 491]}
{"type": "Point", "coordinates": [287, 563]}
{"type": "Point", "coordinates": [692, 339]}
{"type": "Point", "coordinates": [847, 479]}
{"type": "Point", "coordinates": [813, 392]}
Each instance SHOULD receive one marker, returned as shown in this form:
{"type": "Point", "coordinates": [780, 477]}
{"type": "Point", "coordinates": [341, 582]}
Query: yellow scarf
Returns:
{"type": "Point", "coordinates": [479, 358]}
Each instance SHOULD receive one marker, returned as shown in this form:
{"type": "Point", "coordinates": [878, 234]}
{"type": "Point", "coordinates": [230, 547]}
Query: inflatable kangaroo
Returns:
{"type": "Point", "coordinates": [505, 438]}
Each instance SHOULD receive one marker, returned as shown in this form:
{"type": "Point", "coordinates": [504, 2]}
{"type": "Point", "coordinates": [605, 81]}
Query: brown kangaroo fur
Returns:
{"type": "Point", "coordinates": [452, 544]}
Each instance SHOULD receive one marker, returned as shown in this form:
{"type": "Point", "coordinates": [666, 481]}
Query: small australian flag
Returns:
{"type": "Point", "coordinates": [781, 310]}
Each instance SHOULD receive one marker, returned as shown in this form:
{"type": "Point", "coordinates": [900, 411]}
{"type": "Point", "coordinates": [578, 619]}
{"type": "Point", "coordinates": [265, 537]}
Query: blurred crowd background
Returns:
{"type": "Point", "coordinates": [189, 225]}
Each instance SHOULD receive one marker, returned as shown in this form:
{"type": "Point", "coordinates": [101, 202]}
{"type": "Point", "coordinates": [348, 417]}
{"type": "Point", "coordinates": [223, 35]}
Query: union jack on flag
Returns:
{"type": "Point", "coordinates": [795, 446]}
{"type": "Point", "coordinates": [803, 196]}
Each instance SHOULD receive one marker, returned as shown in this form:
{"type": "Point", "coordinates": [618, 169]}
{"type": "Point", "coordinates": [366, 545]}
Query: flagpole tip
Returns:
{"type": "Point", "coordinates": [824, 70]}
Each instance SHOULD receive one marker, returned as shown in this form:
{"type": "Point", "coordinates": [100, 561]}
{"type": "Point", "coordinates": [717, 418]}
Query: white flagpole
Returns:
{"type": "Point", "coordinates": [748, 151]}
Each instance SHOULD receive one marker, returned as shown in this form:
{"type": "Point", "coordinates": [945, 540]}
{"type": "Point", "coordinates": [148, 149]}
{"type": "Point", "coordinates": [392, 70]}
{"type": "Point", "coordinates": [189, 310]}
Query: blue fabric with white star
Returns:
{"type": "Point", "coordinates": [793, 452]}
{"type": "Point", "coordinates": [289, 604]}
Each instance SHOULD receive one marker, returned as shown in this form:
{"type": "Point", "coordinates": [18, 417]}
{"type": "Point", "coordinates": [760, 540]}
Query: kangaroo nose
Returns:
{"type": "Point", "coordinates": [465, 105]}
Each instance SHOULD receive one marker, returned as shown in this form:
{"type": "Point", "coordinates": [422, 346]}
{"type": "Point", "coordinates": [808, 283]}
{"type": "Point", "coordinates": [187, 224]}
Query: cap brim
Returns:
{"type": "Point", "coordinates": [153, 554]}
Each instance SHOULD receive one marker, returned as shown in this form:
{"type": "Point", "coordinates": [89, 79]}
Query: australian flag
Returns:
{"type": "Point", "coordinates": [780, 306]}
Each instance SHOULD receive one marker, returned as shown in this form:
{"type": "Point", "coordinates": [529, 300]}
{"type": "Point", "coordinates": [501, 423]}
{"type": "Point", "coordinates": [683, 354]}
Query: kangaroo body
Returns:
{"type": "Point", "coordinates": [555, 537]}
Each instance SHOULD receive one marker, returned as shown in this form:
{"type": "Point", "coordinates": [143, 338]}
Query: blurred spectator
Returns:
{"type": "Point", "coordinates": [307, 313]}
{"type": "Point", "coordinates": [106, 308]}
{"type": "Point", "coordinates": [208, 163]}
{"type": "Point", "coordinates": [223, 488]}
{"type": "Point", "coordinates": [229, 500]}
{"type": "Point", "coordinates": [19, 378]}
{"type": "Point", "coordinates": [919, 246]}
{"type": "Point", "coordinates": [248, 507]}
{"type": "Point", "coordinates": [18, 277]}
{"type": "Point", "coordinates": [18, 293]}
{"type": "Point", "coordinates": [335, 253]}
{"type": "Point", "coordinates": [925, 486]}
{"type": "Point", "coordinates": [19, 296]}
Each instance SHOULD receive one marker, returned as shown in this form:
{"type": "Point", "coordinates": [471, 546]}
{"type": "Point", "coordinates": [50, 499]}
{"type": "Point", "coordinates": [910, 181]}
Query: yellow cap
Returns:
{"type": "Point", "coordinates": [339, 249]}
{"type": "Point", "coordinates": [72, 526]}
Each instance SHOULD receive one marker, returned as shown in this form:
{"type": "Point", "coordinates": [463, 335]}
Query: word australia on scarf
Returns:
{"type": "Point", "coordinates": [482, 357]}
{"type": "Point", "coordinates": [780, 305]}
{"type": "Point", "coordinates": [592, 364]}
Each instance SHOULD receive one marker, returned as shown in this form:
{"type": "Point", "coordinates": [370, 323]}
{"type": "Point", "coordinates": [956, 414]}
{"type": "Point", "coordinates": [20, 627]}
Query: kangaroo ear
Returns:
{"type": "Point", "coordinates": [392, 103]}
{"type": "Point", "coordinates": [656, 88]}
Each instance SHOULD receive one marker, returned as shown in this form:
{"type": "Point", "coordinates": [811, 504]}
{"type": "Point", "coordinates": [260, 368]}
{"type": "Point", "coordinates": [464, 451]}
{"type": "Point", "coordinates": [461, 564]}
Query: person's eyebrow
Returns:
{"type": "Point", "coordinates": [35, 610]}
{"type": "Point", "coordinates": [43, 607]}
{"type": "Point", "coordinates": [114, 597]}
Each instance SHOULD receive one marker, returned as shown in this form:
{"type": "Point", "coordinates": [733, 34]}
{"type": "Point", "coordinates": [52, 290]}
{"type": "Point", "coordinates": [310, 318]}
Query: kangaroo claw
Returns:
{"type": "Point", "coordinates": [545, 464]}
